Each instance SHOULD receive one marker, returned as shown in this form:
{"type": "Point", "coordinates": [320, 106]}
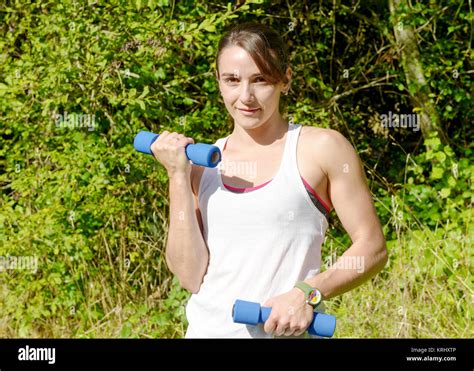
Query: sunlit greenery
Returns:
{"type": "Point", "coordinates": [78, 79]}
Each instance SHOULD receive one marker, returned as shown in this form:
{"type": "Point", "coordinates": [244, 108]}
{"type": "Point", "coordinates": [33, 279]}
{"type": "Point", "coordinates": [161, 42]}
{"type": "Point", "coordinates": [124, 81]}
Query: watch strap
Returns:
{"type": "Point", "coordinates": [303, 286]}
{"type": "Point", "coordinates": [312, 295]}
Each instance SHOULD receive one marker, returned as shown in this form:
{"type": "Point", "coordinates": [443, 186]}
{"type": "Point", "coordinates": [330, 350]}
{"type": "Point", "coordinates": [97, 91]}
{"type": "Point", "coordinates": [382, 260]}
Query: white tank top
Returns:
{"type": "Point", "coordinates": [260, 244]}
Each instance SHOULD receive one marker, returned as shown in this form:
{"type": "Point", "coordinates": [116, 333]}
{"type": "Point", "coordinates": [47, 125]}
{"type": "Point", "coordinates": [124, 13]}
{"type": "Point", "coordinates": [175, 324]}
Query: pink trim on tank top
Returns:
{"type": "Point", "coordinates": [248, 189]}
{"type": "Point", "coordinates": [315, 194]}
{"type": "Point", "coordinates": [245, 189]}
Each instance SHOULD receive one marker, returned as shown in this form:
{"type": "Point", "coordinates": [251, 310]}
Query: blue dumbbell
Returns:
{"type": "Point", "coordinates": [250, 313]}
{"type": "Point", "coordinates": [199, 153]}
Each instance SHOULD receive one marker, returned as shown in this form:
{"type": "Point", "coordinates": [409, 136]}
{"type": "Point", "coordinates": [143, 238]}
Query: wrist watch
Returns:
{"type": "Point", "coordinates": [312, 295]}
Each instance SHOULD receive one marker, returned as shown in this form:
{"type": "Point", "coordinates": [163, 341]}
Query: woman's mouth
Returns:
{"type": "Point", "coordinates": [248, 112]}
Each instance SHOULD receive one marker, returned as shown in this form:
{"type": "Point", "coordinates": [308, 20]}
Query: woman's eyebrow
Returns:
{"type": "Point", "coordinates": [225, 74]}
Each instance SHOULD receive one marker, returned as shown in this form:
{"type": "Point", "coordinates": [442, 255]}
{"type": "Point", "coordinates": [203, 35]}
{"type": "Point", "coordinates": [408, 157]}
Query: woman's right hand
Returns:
{"type": "Point", "coordinates": [169, 150]}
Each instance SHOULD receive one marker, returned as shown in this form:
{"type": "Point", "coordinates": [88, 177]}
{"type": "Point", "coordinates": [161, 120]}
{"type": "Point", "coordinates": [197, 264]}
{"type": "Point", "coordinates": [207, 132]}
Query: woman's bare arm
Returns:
{"type": "Point", "coordinates": [186, 252]}
{"type": "Point", "coordinates": [187, 255]}
{"type": "Point", "coordinates": [353, 204]}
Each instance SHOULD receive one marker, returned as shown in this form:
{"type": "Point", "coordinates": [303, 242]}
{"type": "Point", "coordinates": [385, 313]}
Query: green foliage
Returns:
{"type": "Point", "coordinates": [94, 212]}
{"type": "Point", "coordinates": [436, 189]}
{"type": "Point", "coordinates": [422, 293]}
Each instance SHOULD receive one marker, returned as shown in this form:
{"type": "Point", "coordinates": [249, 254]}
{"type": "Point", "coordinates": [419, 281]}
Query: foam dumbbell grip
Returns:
{"type": "Point", "coordinates": [249, 313]}
{"type": "Point", "coordinates": [199, 153]}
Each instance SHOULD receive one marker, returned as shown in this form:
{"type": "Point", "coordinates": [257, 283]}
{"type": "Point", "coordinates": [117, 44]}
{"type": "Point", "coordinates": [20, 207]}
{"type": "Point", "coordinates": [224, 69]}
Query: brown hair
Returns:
{"type": "Point", "coordinates": [263, 44]}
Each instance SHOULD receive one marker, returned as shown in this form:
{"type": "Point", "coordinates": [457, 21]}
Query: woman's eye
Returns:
{"type": "Point", "coordinates": [260, 79]}
{"type": "Point", "coordinates": [230, 80]}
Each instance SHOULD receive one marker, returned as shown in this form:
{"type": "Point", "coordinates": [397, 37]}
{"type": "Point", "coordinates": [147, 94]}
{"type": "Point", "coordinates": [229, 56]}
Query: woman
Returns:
{"type": "Point", "coordinates": [257, 235]}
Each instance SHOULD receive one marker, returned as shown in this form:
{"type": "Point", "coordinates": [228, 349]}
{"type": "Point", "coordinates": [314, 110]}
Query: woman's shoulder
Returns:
{"type": "Point", "coordinates": [322, 138]}
{"type": "Point", "coordinates": [328, 147]}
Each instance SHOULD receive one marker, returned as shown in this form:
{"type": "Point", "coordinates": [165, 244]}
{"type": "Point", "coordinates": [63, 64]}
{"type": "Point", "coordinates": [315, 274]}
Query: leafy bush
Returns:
{"type": "Point", "coordinates": [79, 79]}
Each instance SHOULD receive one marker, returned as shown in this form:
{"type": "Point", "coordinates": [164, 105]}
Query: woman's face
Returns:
{"type": "Point", "coordinates": [248, 97]}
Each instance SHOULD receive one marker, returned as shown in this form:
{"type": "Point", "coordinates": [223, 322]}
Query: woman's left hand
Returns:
{"type": "Point", "coordinates": [290, 315]}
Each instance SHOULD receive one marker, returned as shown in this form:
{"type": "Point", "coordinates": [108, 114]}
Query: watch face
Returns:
{"type": "Point", "coordinates": [314, 297]}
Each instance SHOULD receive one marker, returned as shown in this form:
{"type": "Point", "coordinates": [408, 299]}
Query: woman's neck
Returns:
{"type": "Point", "coordinates": [265, 135]}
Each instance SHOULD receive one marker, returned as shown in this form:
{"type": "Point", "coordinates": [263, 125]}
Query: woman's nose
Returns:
{"type": "Point", "coordinates": [246, 93]}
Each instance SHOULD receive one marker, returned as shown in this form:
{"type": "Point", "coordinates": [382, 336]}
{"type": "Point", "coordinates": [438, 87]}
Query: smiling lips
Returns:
{"type": "Point", "coordinates": [248, 112]}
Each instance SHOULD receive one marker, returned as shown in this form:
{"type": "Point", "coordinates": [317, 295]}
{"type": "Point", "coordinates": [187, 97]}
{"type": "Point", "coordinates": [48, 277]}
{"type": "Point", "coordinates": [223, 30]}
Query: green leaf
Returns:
{"type": "Point", "coordinates": [188, 101]}
{"type": "Point", "coordinates": [432, 142]}
{"type": "Point", "coordinates": [210, 28]}
{"type": "Point", "coordinates": [400, 86]}
{"type": "Point", "coordinates": [459, 97]}
{"type": "Point", "coordinates": [441, 156]}
{"type": "Point", "coordinates": [146, 90]}
{"type": "Point", "coordinates": [445, 192]}
{"type": "Point", "coordinates": [437, 173]}
{"type": "Point", "coordinates": [141, 104]}
{"type": "Point", "coordinates": [160, 73]}
{"type": "Point", "coordinates": [126, 330]}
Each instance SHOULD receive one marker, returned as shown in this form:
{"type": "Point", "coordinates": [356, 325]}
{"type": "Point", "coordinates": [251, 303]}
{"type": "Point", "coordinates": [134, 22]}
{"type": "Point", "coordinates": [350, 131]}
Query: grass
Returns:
{"type": "Point", "coordinates": [424, 291]}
